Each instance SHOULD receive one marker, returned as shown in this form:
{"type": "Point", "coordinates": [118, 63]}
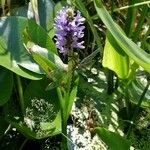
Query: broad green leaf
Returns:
{"type": "Point", "coordinates": [113, 140]}
{"type": "Point", "coordinates": [115, 58]}
{"type": "Point", "coordinates": [49, 62]}
{"type": "Point", "coordinates": [11, 29]}
{"type": "Point", "coordinates": [13, 55]}
{"type": "Point", "coordinates": [39, 36]}
{"type": "Point", "coordinates": [6, 85]}
{"type": "Point", "coordinates": [47, 129]}
{"type": "Point", "coordinates": [45, 14]}
{"type": "Point", "coordinates": [12, 51]}
{"type": "Point", "coordinates": [36, 89]}
{"type": "Point", "coordinates": [18, 124]}
{"type": "Point", "coordinates": [24, 11]}
{"type": "Point", "coordinates": [130, 48]}
{"type": "Point", "coordinates": [42, 112]}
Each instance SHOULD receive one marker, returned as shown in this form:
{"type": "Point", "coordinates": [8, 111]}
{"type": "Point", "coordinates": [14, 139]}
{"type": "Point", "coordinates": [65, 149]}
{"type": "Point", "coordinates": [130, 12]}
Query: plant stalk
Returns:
{"type": "Point", "coordinates": [20, 91]}
{"type": "Point", "coordinates": [131, 6]}
{"type": "Point", "coordinates": [110, 82]}
{"type": "Point", "coordinates": [67, 100]}
{"type": "Point", "coordinates": [137, 109]}
{"type": "Point", "coordinates": [64, 143]}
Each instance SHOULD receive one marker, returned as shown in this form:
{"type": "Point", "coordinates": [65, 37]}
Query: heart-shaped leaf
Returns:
{"type": "Point", "coordinates": [13, 55]}
{"type": "Point", "coordinates": [115, 58]}
{"type": "Point", "coordinates": [42, 116]}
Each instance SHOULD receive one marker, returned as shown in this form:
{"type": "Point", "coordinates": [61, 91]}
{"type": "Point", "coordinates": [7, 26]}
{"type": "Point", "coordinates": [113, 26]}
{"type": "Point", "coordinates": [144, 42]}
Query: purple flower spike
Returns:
{"type": "Point", "coordinates": [69, 30]}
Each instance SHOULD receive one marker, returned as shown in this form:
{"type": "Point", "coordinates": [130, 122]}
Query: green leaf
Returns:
{"type": "Point", "coordinates": [42, 115]}
{"type": "Point", "coordinates": [36, 89]}
{"type": "Point", "coordinates": [12, 51]}
{"type": "Point", "coordinates": [43, 9]}
{"type": "Point", "coordinates": [49, 61]}
{"type": "Point", "coordinates": [113, 140]}
{"type": "Point", "coordinates": [24, 11]}
{"type": "Point", "coordinates": [47, 129]}
{"type": "Point", "coordinates": [130, 48]}
{"type": "Point", "coordinates": [13, 55]}
{"type": "Point", "coordinates": [6, 85]}
{"type": "Point", "coordinates": [7, 62]}
{"type": "Point", "coordinates": [115, 58]}
{"type": "Point", "coordinates": [45, 14]}
{"type": "Point", "coordinates": [35, 33]}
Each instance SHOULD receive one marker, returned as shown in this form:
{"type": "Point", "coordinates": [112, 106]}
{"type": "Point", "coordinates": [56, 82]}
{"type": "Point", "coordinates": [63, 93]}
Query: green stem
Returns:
{"type": "Point", "coordinates": [70, 69]}
{"type": "Point", "coordinates": [130, 19]}
{"type": "Point", "coordinates": [64, 143]}
{"type": "Point", "coordinates": [137, 109]}
{"type": "Point", "coordinates": [23, 144]}
{"type": "Point", "coordinates": [110, 82]}
{"type": "Point", "coordinates": [131, 6]}
{"type": "Point", "coordinates": [143, 42]}
{"type": "Point", "coordinates": [20, 91]}
{"type": "Point", "coordinates": [67, 100]}
{"type": "Point", "coordinates": [146, 35]}
{"type": "Point", "coordinates": [140, 23]}
{"type": "Point", "coordinates": [112, 8]}
{"type": "Point", "coordinates": [61, 100]}
{"type": "Point", "coordinates": [69, 81]}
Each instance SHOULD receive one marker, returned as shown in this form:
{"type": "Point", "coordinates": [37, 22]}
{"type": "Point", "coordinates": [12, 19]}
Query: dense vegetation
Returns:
{"type": "Point", "coordinates": [58, 92]}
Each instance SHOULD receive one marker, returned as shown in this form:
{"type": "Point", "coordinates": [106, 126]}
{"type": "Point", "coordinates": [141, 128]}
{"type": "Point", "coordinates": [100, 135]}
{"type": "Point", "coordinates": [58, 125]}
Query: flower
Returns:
{"type": "Point", "coordinates": [69, 29]}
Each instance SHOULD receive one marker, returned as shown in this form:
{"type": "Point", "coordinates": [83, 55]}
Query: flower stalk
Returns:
{"type": "Point", "coordinates": [20, 91]}
{"type": "Point", "coordinates": [69, 32]}
{"type": "Point", "coordinates": [137, 109]}
{"type": "Point", "coordinates": [67, 99]}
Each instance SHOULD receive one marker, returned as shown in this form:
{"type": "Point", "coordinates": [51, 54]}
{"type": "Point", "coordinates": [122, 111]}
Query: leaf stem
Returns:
{"type": "Point", "coordinates": [20, 91]}
{"type": "Point", "coordinates": [110, 81]}
{"type": "Point", "coordinates": [64, 143]}
{"type": "Point", "coordinates": [137, 109]}
{"type": "Point", "coordinates": [67, 100]}
{"type": "Point", "coordinates": [69, 81]}
{"type": "Point", "coordinates": [140, 23]}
